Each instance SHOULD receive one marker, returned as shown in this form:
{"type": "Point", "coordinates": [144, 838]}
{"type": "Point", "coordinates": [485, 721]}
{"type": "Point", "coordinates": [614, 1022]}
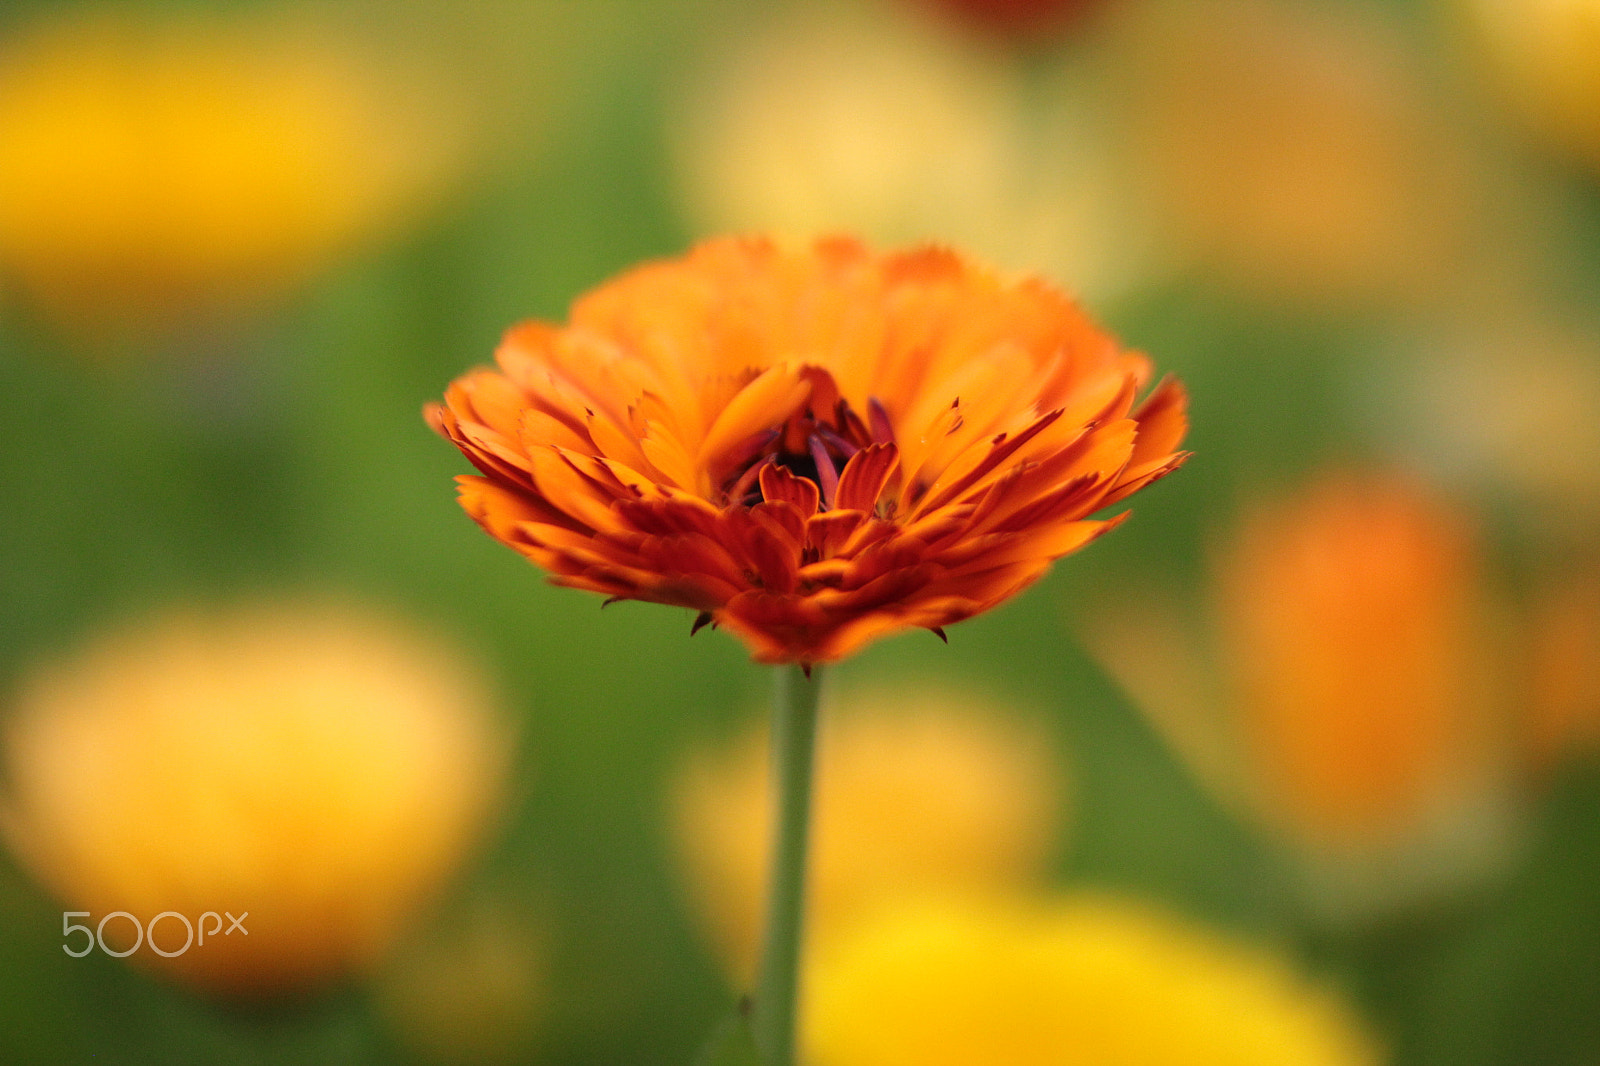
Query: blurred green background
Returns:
{"type": "Point", "coordinates": [240, 430]}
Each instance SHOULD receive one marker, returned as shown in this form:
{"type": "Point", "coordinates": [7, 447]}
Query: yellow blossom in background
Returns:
{"type": "Point", "coordinates": [1545, 58]}
{"type": "Point", "coordinates": [1077, 981]}
{"type": "Point", "coordinates": [1286, 151]}
{"type": "Point", "coordinates": [156, 171]}
{"type": "Point", "coordinates": [865, 118]}
{"type": "Point", "coordinates": [917, 792]}
{"type": "Point", "coordinates": [320, 767]}
{"type": "Point", "coordinates": [1354, 709]}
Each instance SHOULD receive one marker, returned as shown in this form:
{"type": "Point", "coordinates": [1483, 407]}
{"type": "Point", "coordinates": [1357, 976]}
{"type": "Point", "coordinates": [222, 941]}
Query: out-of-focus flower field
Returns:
{"type": "Point", "coordinates": [1301, 765]}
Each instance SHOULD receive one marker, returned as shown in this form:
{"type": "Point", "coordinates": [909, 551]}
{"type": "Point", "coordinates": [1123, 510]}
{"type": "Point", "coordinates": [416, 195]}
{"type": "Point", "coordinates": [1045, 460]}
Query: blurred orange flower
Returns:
{"type": "Point", "coordinates": [813, 447]}
{"type": "Point", "coordinates": [1348, 619]}
{"type": "Point", "coordinates": [1354, 708]}
{"type": "Point", "coordinates": [1564, 701]}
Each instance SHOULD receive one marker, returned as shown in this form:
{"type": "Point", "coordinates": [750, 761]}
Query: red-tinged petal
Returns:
{"type": "Point", "coordinates": [579, 496]}
{"type": "Point", "coordinates": [846, 639]}
{"type": "Point", "coordinates": [770, 557]}
{"type": "Point", "coordinates": [1163, 420]}
{"type": "Point", "coordinates": [1004, 549]}
{"type": "Point", "coordinates": [668, 516]}
{"type": "Point", "coordinates": [827, 534]}
{"type": "Point", "coordinates": [783, 519]}
{"type": "Point", "coordinates": [778, 484]}
{"type": "Point", "coordinates": [893, 587]}
{"type": "Point", "coordinates": [864, 477]}
{"type": "Point", "coordinates": [1000, 449]}
{"type": "Point", "coordinates": [499, 509]}
{"type": "Point", "coordinates": [1134, 480]}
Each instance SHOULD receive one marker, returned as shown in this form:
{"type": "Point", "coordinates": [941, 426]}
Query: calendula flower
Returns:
{"type": "Point", "coordinates": [316, 767]}
{"type": "Point", "coordinates": [813, 448]}
{"type": "Point", "coordinates": [918, 793]}
{"type": "Point", "coordinates": [1090, 981]}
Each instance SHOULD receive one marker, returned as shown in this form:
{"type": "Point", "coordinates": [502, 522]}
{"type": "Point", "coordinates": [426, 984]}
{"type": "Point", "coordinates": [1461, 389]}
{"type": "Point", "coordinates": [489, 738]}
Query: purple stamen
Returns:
{"type": "Point", "coordinates": [747, 480]}
{"type": "Point", "coordinates": [836, 442]}
{"type": "Point", "coordinates": [882, 431]}
{"type": "Point", "coordinates": [827, 475]}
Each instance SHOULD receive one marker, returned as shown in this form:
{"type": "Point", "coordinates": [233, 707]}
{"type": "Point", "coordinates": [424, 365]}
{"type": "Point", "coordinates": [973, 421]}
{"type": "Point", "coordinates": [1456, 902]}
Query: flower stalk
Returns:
{"type": "Point", "coordinates": [794, 732]}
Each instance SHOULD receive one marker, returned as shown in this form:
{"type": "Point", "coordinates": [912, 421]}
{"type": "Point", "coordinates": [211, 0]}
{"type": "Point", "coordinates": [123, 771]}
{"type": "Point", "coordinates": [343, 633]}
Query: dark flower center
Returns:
{"type": "Point", "coordinates": [812, 446]}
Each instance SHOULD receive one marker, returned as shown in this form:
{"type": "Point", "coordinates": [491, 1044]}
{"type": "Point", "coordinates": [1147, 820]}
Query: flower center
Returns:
{"type": "Point", "coordinates": [809, 445]}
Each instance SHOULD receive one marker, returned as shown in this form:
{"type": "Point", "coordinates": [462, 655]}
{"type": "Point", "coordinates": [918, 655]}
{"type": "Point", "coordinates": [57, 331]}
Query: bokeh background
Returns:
{"type": "Point", "coordinates": [1333, 693]}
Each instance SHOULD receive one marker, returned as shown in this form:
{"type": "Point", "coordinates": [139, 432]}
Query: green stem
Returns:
{"type": "Point", "coordinates": [794, 731]}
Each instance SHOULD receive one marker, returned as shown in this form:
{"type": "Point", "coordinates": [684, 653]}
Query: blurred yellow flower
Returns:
{"type": "Point", "coordinates": [1545, 55]}
{"type": "Point", "coordinates": [1096, 982]}
{"type": "Point", "coordinates": [865, 119]}
{"type": "Point", "coordinates": [158, 171]}
{"type": "Point", "coordinates": [1354, 709]}
{"type": "Point", "coordinates": [1286, 150]}
{"type": "Point", "coordinates": [917, 792]}
{"type": "Point", "coordinates": [316, 766]}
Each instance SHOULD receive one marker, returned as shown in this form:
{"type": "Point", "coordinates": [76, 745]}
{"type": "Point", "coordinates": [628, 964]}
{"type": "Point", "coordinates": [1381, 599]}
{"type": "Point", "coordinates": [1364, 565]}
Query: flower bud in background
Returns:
{"type": "Point", "coordinates": [317, 766]}
{"type": "Point", "coordinates": [917, 792]}
{"type": "Point", "coordinates": [1097, 982]}
{"type": "Point", "coordinates": [1357, 710]}
{"type": "Point", "coordinates": [159, 172]}
{"type": "Point", "coordinates": [1544, 56]}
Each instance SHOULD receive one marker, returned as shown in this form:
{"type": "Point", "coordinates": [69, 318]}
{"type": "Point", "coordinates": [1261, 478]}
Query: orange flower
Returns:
{"type": "Point", "coordinates": [1348, 617]}
{"type": "Point", "coordinates": [811, 447]}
